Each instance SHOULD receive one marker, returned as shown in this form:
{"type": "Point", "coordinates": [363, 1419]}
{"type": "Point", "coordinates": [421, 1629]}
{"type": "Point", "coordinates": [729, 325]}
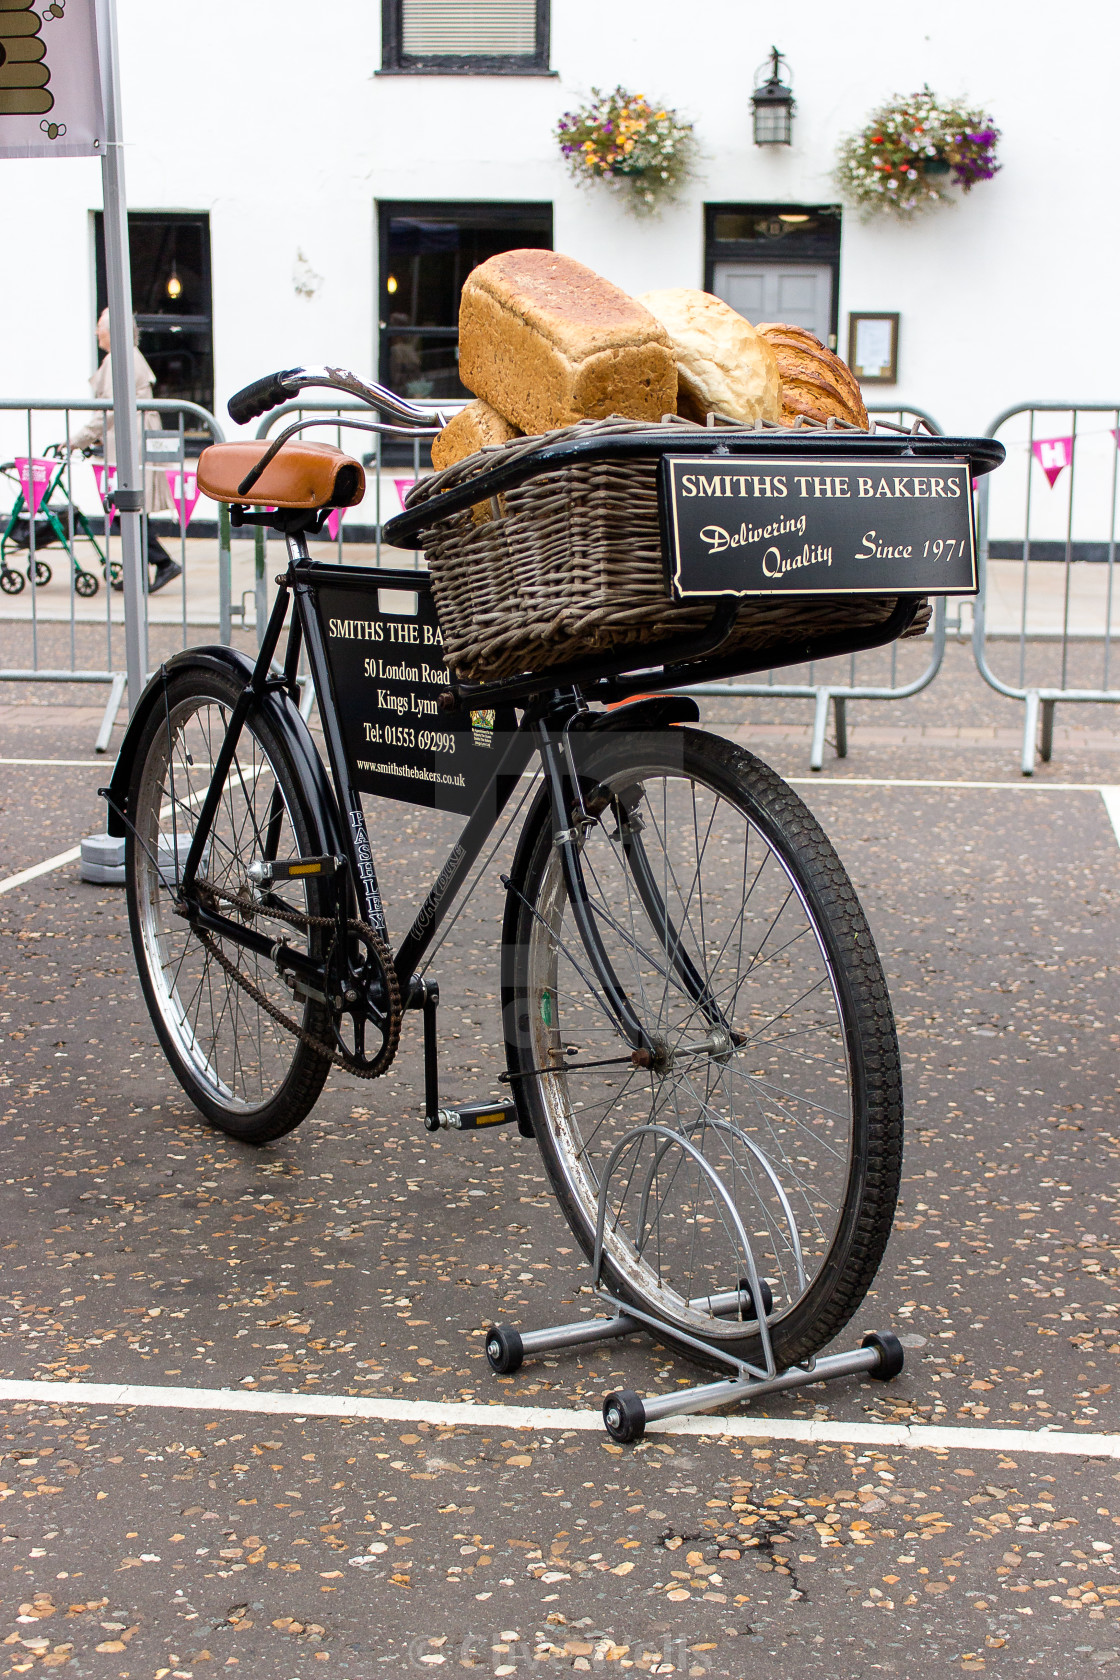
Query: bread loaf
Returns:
{"type": "Point", "coordinates": [814, 381]}
{"type": "Point", "coordinates": [723, 365]}
{"type": "Point", "coordinates": [547, 342]}
{"type": "Point", "coordinates": [469, 431]}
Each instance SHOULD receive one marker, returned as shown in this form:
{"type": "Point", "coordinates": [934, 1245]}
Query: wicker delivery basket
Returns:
{"type": "Point", "coordinates": [569, 562]}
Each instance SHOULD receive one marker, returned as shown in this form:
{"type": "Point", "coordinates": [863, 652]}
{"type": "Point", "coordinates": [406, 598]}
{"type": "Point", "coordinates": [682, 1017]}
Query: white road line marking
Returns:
{"type": "Point", "coordinates": [11, 882]}
{"type": "Point", "coordinates": [1111, 797]}
{"type": "Point", "coordinates": [65, 763]}
{"type": "Point", "coordinates": [915, 782]}
{"type": "Point", "coordinates": [477, 1415]}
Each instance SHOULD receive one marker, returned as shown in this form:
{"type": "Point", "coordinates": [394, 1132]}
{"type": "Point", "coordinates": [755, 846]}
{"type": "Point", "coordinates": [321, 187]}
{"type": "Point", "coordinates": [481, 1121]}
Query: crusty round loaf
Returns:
{"type": "Point", "coordinates": [815, 382]}
{"type": "Point", "coordinates": [723, 365]}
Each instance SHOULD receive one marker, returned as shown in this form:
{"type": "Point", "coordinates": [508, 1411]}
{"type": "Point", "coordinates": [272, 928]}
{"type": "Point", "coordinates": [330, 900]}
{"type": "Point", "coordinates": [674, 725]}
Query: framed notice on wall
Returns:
{"type": "Point", "coordinates": [873, 348]}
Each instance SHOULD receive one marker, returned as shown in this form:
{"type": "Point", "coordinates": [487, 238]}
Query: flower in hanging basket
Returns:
{"type": "Point", "coordinates": [642, 150]}
{"type": "Point", "coordinates": [912, 151]}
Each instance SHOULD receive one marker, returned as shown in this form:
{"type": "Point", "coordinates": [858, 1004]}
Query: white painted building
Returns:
{"type": "Point", "coordinates": [267, 146]}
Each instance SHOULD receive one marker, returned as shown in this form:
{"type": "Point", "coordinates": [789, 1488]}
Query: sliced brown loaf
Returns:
{"type": "Point", "coordinates": [547, 342]}
{"type": "Point", "coordinates": [472, 429]}
{"type": "Point", "coordinates": [723, 365]}
{"type": "Point", "coordinates": [815, 382]}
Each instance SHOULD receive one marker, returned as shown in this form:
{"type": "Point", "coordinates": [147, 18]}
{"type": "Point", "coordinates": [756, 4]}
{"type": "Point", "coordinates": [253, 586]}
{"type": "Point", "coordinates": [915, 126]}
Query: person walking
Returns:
{"type": "Point", "coordinates": [101, 432]}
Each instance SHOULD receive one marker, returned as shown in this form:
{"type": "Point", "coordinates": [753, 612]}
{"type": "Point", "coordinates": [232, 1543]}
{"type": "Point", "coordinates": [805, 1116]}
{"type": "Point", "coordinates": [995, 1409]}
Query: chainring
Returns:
{"type": "Point", "coordinates": [378, 971]}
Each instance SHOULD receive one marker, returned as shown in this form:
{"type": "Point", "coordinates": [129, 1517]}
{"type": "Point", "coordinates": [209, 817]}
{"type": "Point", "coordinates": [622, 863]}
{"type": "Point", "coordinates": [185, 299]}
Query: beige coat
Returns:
{"type": "Point", "coordinates": [101, 430]}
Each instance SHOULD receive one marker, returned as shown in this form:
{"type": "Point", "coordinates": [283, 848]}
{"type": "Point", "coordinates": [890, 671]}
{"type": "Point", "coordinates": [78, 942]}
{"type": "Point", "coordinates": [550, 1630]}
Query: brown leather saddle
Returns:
{"type": "Point", "coordinates": [302, 475]}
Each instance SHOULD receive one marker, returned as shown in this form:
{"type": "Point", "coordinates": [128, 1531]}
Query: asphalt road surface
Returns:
{"type": "Point", "coordinates": [358, 1260]}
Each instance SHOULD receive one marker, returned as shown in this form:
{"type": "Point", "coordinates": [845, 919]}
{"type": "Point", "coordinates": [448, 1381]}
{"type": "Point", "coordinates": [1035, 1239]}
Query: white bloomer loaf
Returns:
{"type": "Point", "coordinates": [723, 365]}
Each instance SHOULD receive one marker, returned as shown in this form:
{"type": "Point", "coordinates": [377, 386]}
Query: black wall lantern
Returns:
{"type": "Point", "coordinates": [773, 104]}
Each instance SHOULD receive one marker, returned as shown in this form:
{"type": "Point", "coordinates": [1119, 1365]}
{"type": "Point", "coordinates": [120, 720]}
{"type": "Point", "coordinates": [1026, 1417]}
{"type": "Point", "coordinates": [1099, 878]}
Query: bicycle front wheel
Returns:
{"type": "Point", "coordinates": [245, 1072]}
{"type": "Point", "coordinates": [760, 1152]}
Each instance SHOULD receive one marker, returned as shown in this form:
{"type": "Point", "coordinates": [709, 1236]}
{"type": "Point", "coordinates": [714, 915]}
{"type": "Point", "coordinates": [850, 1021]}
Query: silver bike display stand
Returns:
{"type": "Point", "coordinates": [625, 1413]}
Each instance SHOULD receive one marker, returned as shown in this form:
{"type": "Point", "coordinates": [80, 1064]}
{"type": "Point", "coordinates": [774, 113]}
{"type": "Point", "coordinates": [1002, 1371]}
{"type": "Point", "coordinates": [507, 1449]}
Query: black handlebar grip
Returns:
{"type": "Point", "coordinates": [259, 397]}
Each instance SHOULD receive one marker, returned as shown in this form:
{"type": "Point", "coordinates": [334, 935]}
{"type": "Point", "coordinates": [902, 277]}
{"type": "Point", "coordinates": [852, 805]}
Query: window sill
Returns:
{"type": "Point", "coordinates": [466, 70]}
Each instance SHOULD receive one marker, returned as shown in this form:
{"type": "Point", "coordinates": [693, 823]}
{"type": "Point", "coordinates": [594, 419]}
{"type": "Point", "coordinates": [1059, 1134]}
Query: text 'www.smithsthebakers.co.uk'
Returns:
{"type": "Point", "coordinates": [417, 773]}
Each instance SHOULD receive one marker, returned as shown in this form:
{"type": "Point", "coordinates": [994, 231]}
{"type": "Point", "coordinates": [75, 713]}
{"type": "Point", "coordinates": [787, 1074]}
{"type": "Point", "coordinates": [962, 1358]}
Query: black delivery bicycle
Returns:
{"type": "Point", "coordinates": [697, 1027]}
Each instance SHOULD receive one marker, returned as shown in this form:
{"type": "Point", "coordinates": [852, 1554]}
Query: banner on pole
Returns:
{"type": "Point", "coordinates": [50, 80]}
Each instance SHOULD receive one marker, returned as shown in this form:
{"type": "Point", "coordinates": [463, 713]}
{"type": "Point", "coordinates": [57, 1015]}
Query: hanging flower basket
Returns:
{"type": "Point", "coordinates": [913, 152]}
{"type": "Point", "coordinates": [643, 151]}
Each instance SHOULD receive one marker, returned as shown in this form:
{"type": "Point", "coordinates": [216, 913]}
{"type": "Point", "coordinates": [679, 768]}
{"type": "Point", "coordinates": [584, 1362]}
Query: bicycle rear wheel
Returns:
{"type": "Point", "coordinates": [765, 1140]}
{"type": "Point", "coordinates": [246, 1073]}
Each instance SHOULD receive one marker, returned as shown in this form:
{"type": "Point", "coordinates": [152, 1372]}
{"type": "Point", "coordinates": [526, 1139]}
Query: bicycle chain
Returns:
{"type": "Point", "coordinates": [298, 919]}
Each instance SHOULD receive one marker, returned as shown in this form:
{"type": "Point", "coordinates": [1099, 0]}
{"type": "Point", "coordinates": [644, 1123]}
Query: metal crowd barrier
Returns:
{"type": "Point", "coordinates": [1048, 609]}
{"type": "Point", "coordinates": [387, 481]}
{"type": "Point", "coordinates": [86, 549]}
{"type": "Point", "coordinates": [833, 682]}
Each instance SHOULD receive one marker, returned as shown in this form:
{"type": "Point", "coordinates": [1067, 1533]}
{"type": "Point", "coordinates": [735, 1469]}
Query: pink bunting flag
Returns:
{"type": "Point", "coordinates": [1053, 456]}
{"type": "Point", "coordinates": [334, 520]}
{"type": "Point", "coordinates": [103, 474]}
{"type": "Point", "coordinates": [184, 490]}
{"type": "Point", "coordinates": [34, 478]}
{"type": "Point", "coordinates": [402, 487]}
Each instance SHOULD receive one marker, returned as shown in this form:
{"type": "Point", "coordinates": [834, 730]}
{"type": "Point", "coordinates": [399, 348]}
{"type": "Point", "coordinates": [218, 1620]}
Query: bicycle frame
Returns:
{"type": "Point", "coordinates": [540, 731]}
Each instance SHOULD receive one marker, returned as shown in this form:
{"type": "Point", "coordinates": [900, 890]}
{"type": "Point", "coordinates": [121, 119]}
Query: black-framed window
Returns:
{"type": "Point", "coordinates": [426, 252]}
{"type": "Point", "coordinates": [464, 37]}
{"type": "Point", "coordinates": [790, 246]}
{"type": "Point", "coordinates": [172, 298]}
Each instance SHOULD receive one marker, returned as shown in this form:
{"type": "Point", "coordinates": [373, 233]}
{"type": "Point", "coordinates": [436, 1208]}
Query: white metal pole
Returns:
{"type": "Point", "coordinates": [129, 493]}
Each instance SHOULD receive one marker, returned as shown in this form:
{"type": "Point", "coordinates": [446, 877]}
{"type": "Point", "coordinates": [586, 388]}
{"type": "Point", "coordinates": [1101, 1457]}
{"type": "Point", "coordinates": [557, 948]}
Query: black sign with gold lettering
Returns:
{"type": "Point", "coordinates": [385, 651]}
{"type": "Point", "coordinates": [799, 527]}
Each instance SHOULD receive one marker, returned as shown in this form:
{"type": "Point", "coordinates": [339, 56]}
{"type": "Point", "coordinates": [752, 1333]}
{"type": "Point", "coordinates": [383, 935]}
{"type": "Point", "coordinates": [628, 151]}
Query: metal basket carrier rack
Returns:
{"type": "Point", "coordinates": [697, 1027]}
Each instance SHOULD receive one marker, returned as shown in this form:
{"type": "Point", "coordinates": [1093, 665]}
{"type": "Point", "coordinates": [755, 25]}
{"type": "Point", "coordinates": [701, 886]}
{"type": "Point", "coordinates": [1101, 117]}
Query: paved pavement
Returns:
{"type": "Point", "coordinates": [361, 1258]}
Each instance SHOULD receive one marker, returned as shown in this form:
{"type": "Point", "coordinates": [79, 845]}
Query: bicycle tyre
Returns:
{"type": "Point", "coordinates": [810, 1005]}
{"type": "Point", "coordinates": [244, 1072]}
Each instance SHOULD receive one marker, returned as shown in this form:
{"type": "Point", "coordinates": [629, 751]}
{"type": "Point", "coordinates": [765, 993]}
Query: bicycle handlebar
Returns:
{"type": "Point", "coordinates": [259, 397]}
{"type": "Point", "coordinates": [278, 388]}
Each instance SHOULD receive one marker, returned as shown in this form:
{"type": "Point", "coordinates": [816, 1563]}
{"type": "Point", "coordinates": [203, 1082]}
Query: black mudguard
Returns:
{"type": "Point", "coordinates": [275, 705]}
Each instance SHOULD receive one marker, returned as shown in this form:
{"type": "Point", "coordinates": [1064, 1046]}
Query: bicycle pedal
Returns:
{"type": "Point", "coordinates": [469, 1117]}
{"type": "Point", "coordinates": [290, 869]}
